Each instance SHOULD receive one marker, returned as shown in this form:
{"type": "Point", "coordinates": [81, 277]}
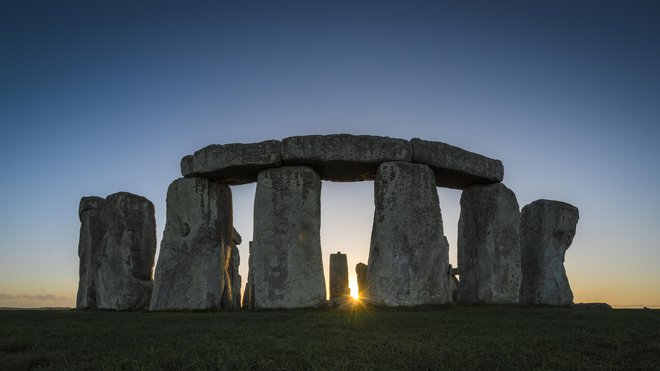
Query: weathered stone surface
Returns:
{"type": "Point", "coordinates": [344, 157]}
{"type": "Point", "coordinates": [455, 167]}
{"type": "Point", "coordinates": [286, 268]}
{"type": "Point", "coordinates": [361, 272]}
{"type": "Point", "coordinates": [453, 284]}
{"type": "Point", "coordinates": [488, 245]}
{"type": "Point", "coordinates": [248, 295]}
{"type": "Point", "coordinates": [231, 297]}
{"type": "Point", "coordinates": [116, 249]}
{"type": "Point", "coordinates": [339, 290]}
{"type": "Point", "coordinates": [89, 248]}
{"type": "Point", "coordinates": [546, 231]}
{"type": "Point", "coordinates": [196, 247]}
{"type": "Point", "coordinates": [408, 256]}
{"type": "Point", "coordinates": [233, 164]}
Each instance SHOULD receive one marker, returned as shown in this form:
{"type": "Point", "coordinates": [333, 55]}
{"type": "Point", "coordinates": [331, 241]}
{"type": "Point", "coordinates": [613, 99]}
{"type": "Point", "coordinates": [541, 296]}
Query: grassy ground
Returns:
{"type": "Point", "coordinates": [374, 338]}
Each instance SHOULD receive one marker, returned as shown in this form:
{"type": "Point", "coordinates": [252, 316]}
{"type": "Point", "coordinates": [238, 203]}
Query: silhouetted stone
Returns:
{"type": "Point", "coordinates": [594, 306]}
{"type": "Point", "coordinates": [286, 268]}
{"type": "Point", "coordinates": [488, 245]}
{"type": "Point", "coordinates": [361, 272]}
{"type": "Point", "coordinates": [248, 294]}
{"type": "Point", "coordinates": [546, 232]}
{"type": "Point", "coordinates": [231, 297]}
{"type": "Point", "coordinates": [408, 256]}
{"type": "Point", "coordinates": [455, 167]}
{"type": "Point", "coordinates": [196, 247]}
{"type": "Point", "coordinates": [117, 247]}
{"type": "Point", "coordinates": [339, 291]}
{"type": "Point", "coordinates": [344, 157]}
{"type": "Point", "coordinates": [233, 164]}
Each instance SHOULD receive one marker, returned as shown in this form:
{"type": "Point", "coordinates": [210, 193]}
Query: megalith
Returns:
{"type": "Point", "coordinates": [488, 245]}
{"type": "Point", "coordinates": [361, 273]}
{"type": "Point", "coordinates": [248, 294]}
{"type": "Point", "coordinates": [196, 246]}
{"type": "Point", "coordinates": [339, 290]}
{"type": "Point", "coordinates": [408, 256]}
{"type": "Point", "coordinates": [547, 229]}
{"type": "Point", "coordinates": [286, 267]}
{"type": "Point", "coordinates": [231, 297]}
{"type": "Point", "coordinates": [116, 249]}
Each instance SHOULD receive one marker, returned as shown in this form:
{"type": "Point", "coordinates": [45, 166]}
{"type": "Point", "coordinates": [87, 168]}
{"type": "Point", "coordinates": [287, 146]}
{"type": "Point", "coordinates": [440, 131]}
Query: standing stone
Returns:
{"type": "Point", "coordinates": [361, 272]}
{"type": "Point", "coordinates": [546, 231]}
{"type": "Point", "coordinates": [488, 245]}
{"type": "Point", "coordinates": [196, 246]}
{"type": "Point", "coordinates": [231, 297]}
{"type": "Point", "coordinates": [248, 295]}
{"type": "Point", "coordinates": [286, 268]}
{"type": "Point", "coordinates": [339, 291]}
{"type": "Point", "coordinates": [116, 249]}
{"type": "Point", "coordinates": [89, 245]}
{"type": "Point", "coordinates": [409, 255]}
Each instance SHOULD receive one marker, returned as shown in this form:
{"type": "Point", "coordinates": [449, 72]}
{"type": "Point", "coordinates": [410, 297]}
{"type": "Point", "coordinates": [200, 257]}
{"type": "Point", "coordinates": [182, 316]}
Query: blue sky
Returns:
{"type": "Point", "coordinates": [97, 98]}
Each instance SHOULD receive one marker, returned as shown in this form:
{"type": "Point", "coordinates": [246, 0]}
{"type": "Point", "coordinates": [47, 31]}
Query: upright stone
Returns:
{"type": "Point", "coordinates": [231, 297]}
{"type": "Point", "coordinates": [488, 245]}
{"type": "Point", "coordinates": [248, 295]}
{"type": "Point", "coordinates": [196, 247]}
{"type": "Point", "coordinates": [89, 245]}
{"type": "Point", "coordinates": [408, 256]}
{"type": "Point", "coordinates": [361, 272]}
{"type": "Point", "coordinates": [546, 231]}
{"type": "Point", "coordinates": [117, 248]}
{"type": "Point", "coordinates": [286, 268]}
{"type": "Point", "coordinates": [339, 291]}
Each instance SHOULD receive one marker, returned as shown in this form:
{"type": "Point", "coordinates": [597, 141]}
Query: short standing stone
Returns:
{"type": "Point", "coordinates": [117, 248]}
{"type": "Point", "coordinates": [231, 297]}
{"type": "Point", "coordinates": [408, 256]}
{"type": "Point", "coordinates": [233, 164]}
{"type": "Point", "coordinates": [248, 294]}
{"type": "Point", "coordinates": [286, 267]}
{"type": "Point", "coordinates": [361, 272]}
{"type": "Point", "coordinates": [488, 245]}
{"type": "Point", "coordinates": [546, 231]}
{"type": "Point", "coordinates": [339, 290]}
{"type": "Point", "coordinates": [344, 157]}
{"type": "Point", "coordinates": [455, 167]}
{"type": "Point", "coordinates": [196, 246]}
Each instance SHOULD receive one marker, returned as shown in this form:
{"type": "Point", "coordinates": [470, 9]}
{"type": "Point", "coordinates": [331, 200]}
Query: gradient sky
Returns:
{"type": "Point", "coordinates": [98, 97]}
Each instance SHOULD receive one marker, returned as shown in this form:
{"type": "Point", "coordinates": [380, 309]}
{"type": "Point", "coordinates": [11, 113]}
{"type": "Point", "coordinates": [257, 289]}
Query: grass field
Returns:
{"type": "Point", "coordinates": [374, 338]}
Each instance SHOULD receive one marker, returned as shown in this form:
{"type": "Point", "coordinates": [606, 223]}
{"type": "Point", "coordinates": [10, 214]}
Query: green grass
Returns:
{"type": "Point", "coordinates": [503, 338]}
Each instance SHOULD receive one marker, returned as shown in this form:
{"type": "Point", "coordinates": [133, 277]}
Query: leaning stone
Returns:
{"type": "Point", "coordinates": [117, 248]}
{"type": "Point", "coordinates": [361, 272]}
{"type": "Point", "coordinates": [233, 164]}
{"type": "Point", "coordinates": [546, 232]}
{"type": "Point", "coordinates": [339, 290]}
{"type": "Point", "coordinates": [196, 246]}
{"type": "Point", "coordinates": [408, 256]}
{"type": "Point", "coordinates": [286, 268]}
{"type": "Point", "coordinates": [488, 245]}
{"type": "Point", "coordinates": [455, 167]}
{"type": "Point", "coordinates": [344, 157]}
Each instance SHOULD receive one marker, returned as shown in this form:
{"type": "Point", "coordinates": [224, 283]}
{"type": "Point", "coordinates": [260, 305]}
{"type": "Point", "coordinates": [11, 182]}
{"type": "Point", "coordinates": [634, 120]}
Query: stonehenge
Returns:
{"type": "Point", "coordinates": [339, 290]}
{"type": "Point", "coordinates": [504, 257]}
{"type": "Point", "coordinates": [547, 229]}
{"type": "Point", "coordinates": [409, 253]}
{"type": "Point", "coordinates": [488, 245]}
{"type": "Point", "coordinates": [116, 248]}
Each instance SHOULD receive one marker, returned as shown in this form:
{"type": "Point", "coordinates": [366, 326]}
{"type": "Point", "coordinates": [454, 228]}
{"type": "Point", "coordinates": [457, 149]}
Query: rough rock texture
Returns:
{"type": "Point", "coordinates": [455, 167]}
{"type": "Point", "coordinates": [453, 284]}
{"type": "Point", "coordinates": [116, 249]}
{"type": "Point", "coordinates": [231, 297]}
{"type": "Point", "coordinates": [197, 243]}
{"type": "Point", "coordinates": [547, 229]}
{"type": "Point", "coordinates": [361, 272]}
{"type": "Point", "coordinates": [339, 290]}
{"type": "Point", "coordinates": [408, 256]}
{"type": "Point", "coordinates": [344, 157]}
{"type": "Point", "coordinates": [488, 245]}
{"type": "Point", "coordinates": [248, 295]}
{"type": "Point", "coordinates": [233, 164]}
{"type": "Point", "coordinates": [286, 268]}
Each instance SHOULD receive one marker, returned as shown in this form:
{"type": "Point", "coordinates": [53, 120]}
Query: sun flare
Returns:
{"type": "Point", "coordinates": [354, 289]}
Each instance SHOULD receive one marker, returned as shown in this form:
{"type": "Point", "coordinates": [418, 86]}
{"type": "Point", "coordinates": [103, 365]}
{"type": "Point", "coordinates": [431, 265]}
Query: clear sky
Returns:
{"type": "Point", "coordinates": [100, 97]}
